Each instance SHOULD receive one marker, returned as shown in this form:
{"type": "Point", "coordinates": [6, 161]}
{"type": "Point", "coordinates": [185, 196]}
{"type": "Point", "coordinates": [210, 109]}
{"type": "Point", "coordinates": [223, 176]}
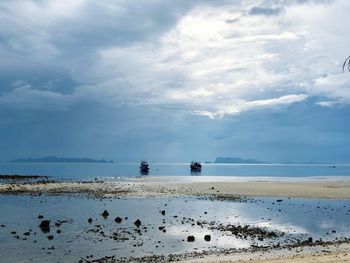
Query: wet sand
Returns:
{"type": "Point", "coordinates": [304, 189]}
{"type": "Point", "coordinates": [331, 254]}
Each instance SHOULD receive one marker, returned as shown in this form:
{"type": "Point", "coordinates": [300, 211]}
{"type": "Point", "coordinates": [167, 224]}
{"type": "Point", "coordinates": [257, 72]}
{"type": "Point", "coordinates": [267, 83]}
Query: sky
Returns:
{"type": "Point", "coordinates": [175, 80]}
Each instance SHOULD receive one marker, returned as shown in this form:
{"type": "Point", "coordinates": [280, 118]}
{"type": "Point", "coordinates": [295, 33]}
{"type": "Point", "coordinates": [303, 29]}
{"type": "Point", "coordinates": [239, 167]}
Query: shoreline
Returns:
{"type": "Point", "coordinates": [158, 187]}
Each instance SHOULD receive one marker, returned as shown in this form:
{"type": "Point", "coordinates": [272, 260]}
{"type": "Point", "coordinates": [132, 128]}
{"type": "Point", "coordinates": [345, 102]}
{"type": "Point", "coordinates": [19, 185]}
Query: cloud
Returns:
{"type": "Point", "coordinates": [242, 106]}
{"type": "Point", "coordinates": [177, 56]}
{"type": "Point", "coordinates": [23, 96]}
{"type": "Point", "coordinates": [267, 11]}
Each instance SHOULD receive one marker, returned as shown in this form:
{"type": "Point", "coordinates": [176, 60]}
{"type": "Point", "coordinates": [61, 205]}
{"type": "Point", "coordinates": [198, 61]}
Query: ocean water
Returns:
{"type": "Point", "coordinates": [297, 218]}
{"type": "Point", "coordinates": [77, 171]}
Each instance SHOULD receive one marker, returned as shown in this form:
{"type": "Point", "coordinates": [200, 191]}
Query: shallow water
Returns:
{"type": "Point", "coordinates": [121, 170]}
{"type": "Point", "coordinates": [297, 218]}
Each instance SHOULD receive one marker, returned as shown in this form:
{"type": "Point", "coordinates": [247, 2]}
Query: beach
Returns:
{"type": "Point", "coordinates": [167, 187]}
{"type": "Point", "coordinates": [256, 242]}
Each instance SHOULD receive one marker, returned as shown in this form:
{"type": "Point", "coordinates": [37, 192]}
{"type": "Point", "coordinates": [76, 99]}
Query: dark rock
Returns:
{"type": "Point", "coordinates": [190, 239]}
{"type": "Point", "coordinates": [162, 212]}
{"type": "Point", "coordinates": [118, 220]}
{"type": "Point", "coordinates": [309, 240]}
{"type": "Point", "coordinates": [90, 220]}
{"type": "Point", "coordinates": [45, 226]}
{"type": "Point", "coordinates": [50, 237]}
{"type": "Point", "coordinates": [137, 223]}
{"type": "Point", "coordinates": [26, 234]}
{"type": "Point", "coordinates": [40, 216]}
{"type": "Point", "coordinates": [58, 231]}
{"type": "Point", "coordinates": [207, 238]}
{"type": "Point", "coordinates": [105, 214]}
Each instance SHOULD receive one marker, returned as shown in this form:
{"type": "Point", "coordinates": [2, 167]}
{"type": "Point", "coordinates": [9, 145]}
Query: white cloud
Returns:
{"type": "Point", "coordinates": [242, 105]}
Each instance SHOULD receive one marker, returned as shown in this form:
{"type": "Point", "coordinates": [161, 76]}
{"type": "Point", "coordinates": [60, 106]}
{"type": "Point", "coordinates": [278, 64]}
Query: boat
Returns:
{"type": "Point", "coordinates": [195, 166]}
{"type": "Point", "coordinates": [144, 167]}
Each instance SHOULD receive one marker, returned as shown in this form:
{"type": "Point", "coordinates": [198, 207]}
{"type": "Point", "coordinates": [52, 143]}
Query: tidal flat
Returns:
{"type": "Point", "coordinates": [84, 228]}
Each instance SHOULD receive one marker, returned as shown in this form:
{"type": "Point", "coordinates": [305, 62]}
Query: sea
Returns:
{"type": "Point", "coordinates": [78, 229]}
{"type": "Point", "coordinates": [120, 171]}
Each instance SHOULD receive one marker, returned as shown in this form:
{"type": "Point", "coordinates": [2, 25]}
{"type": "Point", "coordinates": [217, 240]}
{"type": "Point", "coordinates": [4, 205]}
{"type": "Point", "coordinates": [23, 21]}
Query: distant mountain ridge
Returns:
{"type": "Point", "coordinates": [236, 160]}
{"type": "Point", "coordinates": [55, 159]}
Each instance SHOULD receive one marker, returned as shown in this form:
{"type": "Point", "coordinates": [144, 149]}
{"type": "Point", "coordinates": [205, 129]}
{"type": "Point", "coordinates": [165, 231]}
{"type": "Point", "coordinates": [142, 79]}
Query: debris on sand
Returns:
{"type": "Point", "coordinates": [137, 223]}
{"type": "Point", "coordinates": [118, 220]}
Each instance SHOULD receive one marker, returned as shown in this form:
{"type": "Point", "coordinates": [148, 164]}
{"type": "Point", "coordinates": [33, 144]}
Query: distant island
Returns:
{"type": "Point", "coordinates": [235, 160]}
{"type": "Point", "coordinates": [55, 159]}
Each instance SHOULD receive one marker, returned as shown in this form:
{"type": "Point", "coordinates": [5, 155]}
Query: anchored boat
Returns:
{"type": "Point", "coordinates": [144, 167]}
{"type": "Point", "coordinates": [195, 166]}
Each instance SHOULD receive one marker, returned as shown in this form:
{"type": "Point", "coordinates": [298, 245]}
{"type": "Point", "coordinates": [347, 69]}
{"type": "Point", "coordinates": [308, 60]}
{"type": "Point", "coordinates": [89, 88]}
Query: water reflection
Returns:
{"type": "Point", "coordinates": [160, 232]}
{"type": "Point", "coordinates": [195, 173]}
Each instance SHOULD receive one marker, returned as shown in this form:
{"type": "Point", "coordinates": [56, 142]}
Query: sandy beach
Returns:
{"type": "Point", "coordinates": [145, 188]}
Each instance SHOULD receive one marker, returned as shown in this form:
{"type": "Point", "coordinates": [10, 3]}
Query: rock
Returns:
{"type": "Point", "coordinates": [190, 239]}
{"type": "Point", "coordinates": [207, 238]}
{"type": "Point", "coordinates": [45, 226]}
{"type": "Point", "coordinates": [90, 220]}
{"type": "Point", "coordinates": [279, 200]}
{"type": "Point", "coordinates": [26, 234]}
{"type": "Point", "coordinates": [309, 240]}
{"type": "Point", "coordinates": [118, 220]}
{"type": "Point", "coordinates": [50, 237]}
{"type": "Point", "coordinates": [137, 223]}
{"type": "Point", "coordinates": [162, 212]}
{"type": "Point", "coordinates": [58, 231]}
{"type": "Point", "coordinates": [105, 214]}
{"type": "Point", "coordinates": [40, 216]}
